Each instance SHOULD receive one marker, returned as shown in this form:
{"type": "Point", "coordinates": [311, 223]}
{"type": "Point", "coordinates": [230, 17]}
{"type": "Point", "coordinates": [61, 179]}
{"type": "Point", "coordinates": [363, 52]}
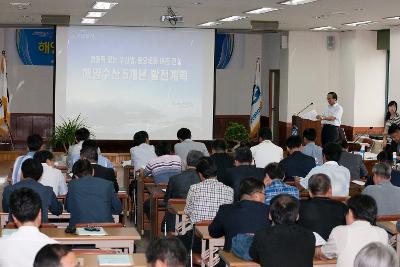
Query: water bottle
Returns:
{"type": "Point", "coordinates": [394, 159]}
{"type": "Point", "coordinates": [362, 151]}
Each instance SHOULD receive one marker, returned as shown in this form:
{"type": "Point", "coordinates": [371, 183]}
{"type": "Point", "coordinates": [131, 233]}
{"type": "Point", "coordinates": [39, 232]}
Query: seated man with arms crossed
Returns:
{"type": "Point", "coordinates": [339, 175]}
{"type": "Point", "coordinates": [19, 249]}
{"type": "Point", "coordinates": [32, 171]}
{"type": "Point", "coordinates": [285, 243]}
{"type": "Point", "coordinates": [233, 219]}
{"type": "Point", "coordinates": [90, 199]}
{"type": "Point", "coordinates": [319, 213]}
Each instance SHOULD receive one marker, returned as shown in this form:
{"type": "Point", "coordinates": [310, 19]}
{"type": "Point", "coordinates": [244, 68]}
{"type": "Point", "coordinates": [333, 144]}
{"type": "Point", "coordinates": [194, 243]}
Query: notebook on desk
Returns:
{"type": "Point", "coordinates": [83, 231]}
{"type": "Point", "coordinates": [115, 260]}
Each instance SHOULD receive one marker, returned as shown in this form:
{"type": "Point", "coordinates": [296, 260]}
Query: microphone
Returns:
{"type": "Point", "coordinates": [305, 108]}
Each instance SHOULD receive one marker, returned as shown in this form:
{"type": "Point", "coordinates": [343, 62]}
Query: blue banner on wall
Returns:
{"type": "Point", "coordinates": [36, 46]}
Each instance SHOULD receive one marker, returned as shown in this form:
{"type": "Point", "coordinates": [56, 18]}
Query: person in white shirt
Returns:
{"type": "Point", "coordinates": [186, 144]}
{"type": "Point", "coordinates": [20, 248]}
{"type": "Point", "coordinates": [51, 176]}
{"type": "Point", "coordinates": [339, 175]}
{"type": "Point", "coordinates": [331, 119]}
{"type": "Point", "coordinates": [141, 152]}
{"type": "Point", "coordinates": [266, 152]}
{"type": "Point", "coordinates": [81, 135]}
{"type": "Point", "coordinates": [345, 241]}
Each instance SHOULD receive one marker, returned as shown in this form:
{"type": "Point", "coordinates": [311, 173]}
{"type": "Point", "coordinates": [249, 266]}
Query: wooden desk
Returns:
{"type": "Point", "coordinates": [123, 237]}
{"type": "Point", "coordinates": [157, 209]}
{"type": "Point", "coordinates": [209, 246]}
{"type": "Point", "coordinates": [390, 227]}
{"type": "Point", "coordinates": [232, 260]}
{"type": "Point", "coordinates": [142, 195]}
{"type": "Point", "coordinates": [90, 260]}
{"type": "Point", "coordinates": [182, 221]}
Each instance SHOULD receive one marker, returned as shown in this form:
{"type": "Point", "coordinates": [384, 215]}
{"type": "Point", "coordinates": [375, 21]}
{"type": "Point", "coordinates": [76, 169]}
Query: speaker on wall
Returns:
{"type": "Point", "coordinates": [330, 42]}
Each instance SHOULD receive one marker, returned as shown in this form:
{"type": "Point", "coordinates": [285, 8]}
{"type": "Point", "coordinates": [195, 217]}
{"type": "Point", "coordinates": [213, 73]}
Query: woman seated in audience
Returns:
{"type": "Point", "coordinates": [392, 117]}
{"type": "Point", "coordinates": [346, 241]}
{"type": "Point", "coordinates": [376, 254]}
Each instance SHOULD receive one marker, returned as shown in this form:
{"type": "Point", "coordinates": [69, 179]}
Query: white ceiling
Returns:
{"type": "Point", "coordinates": [148, 12]}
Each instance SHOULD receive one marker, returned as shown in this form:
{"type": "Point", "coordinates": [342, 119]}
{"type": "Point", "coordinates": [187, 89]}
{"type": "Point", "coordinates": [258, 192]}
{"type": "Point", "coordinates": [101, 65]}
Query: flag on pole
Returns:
{"type": "Point", "coordinates": [4, 101]}
{"type": "Point", "coordinates": [256, 104]}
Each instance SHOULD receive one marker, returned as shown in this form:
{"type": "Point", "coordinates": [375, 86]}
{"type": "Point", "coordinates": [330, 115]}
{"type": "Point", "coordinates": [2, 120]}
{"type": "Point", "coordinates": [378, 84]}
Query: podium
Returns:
{"type": "Point", "coordinates": [303, 124]}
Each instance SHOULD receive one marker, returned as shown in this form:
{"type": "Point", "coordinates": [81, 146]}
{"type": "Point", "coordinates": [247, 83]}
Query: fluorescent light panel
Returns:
{"type": "Point", "coordinates": [88, 21]}
{"type": "Point", "coordinates": [95, 14]}
{"type": "Point", "coordinates": [232, 18]}
{"type": "Point", "coordinates": [209, 24]}
{"type": "Point", "coordinates": [104, 5]}
{"type": "Point", "coordinates": [393, 18]}
{"type": "Point", "coordinates": [296, 2]}
{"type": "Point", "coordinates": [20, 3]}
{"type": "Point", "coordinates": [324, 28]}
{"type": "Point", "coordinates": [262, 10]}
{"type": "Point", "coordinates": [359, 23]}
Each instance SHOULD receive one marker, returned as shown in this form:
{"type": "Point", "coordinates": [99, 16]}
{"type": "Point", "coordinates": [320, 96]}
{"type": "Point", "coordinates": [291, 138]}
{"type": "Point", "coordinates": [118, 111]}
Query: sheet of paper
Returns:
{"type": "Point", "coordinates": [359, 182]}
{"type": "Point", "coordinates": [82, 231]}
{"type": "Point", "coordinates": [319, 241]}
{"type": "Point", "coordinates": [311, 115]}
{"type": "Point", "coordinates": [115, 260]}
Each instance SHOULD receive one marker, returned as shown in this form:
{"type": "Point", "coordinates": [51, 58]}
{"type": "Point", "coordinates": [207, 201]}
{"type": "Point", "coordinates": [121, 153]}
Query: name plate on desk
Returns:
{"type": "Point", "coordinates": [115, 260]}
{"type": "Point", "coordinates": [83, 231]}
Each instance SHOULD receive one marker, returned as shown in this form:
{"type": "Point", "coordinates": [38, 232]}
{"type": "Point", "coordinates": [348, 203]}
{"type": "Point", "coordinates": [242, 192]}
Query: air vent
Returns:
{"type": "Point", "coordinates": [55, 19]}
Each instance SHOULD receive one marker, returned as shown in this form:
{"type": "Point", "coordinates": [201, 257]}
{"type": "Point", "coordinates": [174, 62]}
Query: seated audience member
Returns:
{"type": "Point", "coordinates": [81, 135]}
{"type": "Point", "coordinates": [204, 198]}
{"type": "Point", "coordinates": [386, 195]}
{"type": "Point", "coordinates": [353, 162]}
{"type": "Point", "coordinates": [285, 243]}
{"type": "Point", "coordinates": [339, 175]}
{"type": "Point", "coordinates": [310, 148]}
{"type": "Point", "coordinates": [376, 254]}
{"type": "Point", "coordinates": [243, 169]}
{"type": "Point", "coordinates": [89, 152]}
{"type": "Point", "coordinates": [178, 185]}
{"type": "Point", "coordinates": [347, 240]}
{"type": "Point", "coordinates": [386, 157]}
{"type": "Point", "coordinates": [101, 160]}
{"type": "Point", "coordinates": [32, 171]}
{"type": "Point", "coordinates": [220, 157]}
{"type": "Point", "coordinates": [55, 255]}
{"type": "Point", "coordinates": [186, 144]}
{"type": "Point", "coordinates": [34, 143]}
{"type": "Point", "coordinates": [51, 176]}
{"type": "Point", "coordinates": [274, 184]}
{"type": "Point", "coordinates": [19, 248]}
{"type": "Point", "coordinates": [233, 219]}
{"type": "Point", "coordinates": [166, 252]}
{"type": "Point", "coordinates": [141, 152]}
{"type": "Point", "coordinates": [296, 163]}
{"type": "Point", "coordinates": [321, 214]}
{"type": "Point", "coordinates": [266, 151]}
{"type": "Point", "coordinates": [90, 199]}
{"type": "Point", "coordinates": [394, 132]}
{"type": "Point", "coordinates": [165, 165]}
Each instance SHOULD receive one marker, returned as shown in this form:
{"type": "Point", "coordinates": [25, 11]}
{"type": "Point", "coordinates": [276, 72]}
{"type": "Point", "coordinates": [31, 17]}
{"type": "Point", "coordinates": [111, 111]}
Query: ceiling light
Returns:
{"type": "Point", "coordinates": [324, 28]}
{"type": "Point", "coordinates": [262, 10]}
{"type": "Point", "coordinates": [393, 18]}
{"type": "Point", "coordinates": [88, 21]}
{"type": "Point", "coordinates": [92, 14]}
{"type": "Point", "coordinates": [233, 18]}
{"type": "Point", "coordinates": [209, 24]}
{"type": "Point", "coordinates": [296, 2]}
{"type": "Point", "coordinates": [104, 5]}
{"type": "Point", "coordinates": [20, 3]}
{"type": "Point", "coordinates": [359, 23]}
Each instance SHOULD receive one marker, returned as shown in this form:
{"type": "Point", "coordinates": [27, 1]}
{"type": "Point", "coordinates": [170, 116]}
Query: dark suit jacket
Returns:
{"type": "Point", "coordinates": [233, 219]}
{"type": "Point", "coordinates": [394, 179]}
{"type": "Point", "coordinates": [90, 200]}
{"type": "Point", "coordinates": [297, 164]}
{"type": "Point", "coordinates": [106, 173]}
{"type": "Point", "coordinates": [355, 165]}
{"type": "Point", "coordinates": [233, 176]}
{"type": "Point", "coordinates": [288, 245]}
{"type": "Point", "coordinates": [223, 162]}
{"type": "Point", "coordinates": [178, 185]}
{"type": "Point", "coordinates": [46, 193]}
{"type": "Point", "coordinates": [321, 215]}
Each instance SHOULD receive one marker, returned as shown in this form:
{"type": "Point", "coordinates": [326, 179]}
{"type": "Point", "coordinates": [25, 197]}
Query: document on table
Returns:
{"type": "Point", "coordinates": [82, 231]}
{"type": "Point", "coordinates": [115, 260]}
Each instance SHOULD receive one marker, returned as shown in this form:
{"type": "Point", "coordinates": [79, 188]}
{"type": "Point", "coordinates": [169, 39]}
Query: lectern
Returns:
{"type": "Point", "coordinates": [303, 124]}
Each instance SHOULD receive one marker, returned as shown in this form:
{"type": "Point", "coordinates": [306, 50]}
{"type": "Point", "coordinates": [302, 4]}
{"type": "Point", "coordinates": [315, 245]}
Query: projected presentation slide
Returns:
{"type": "Point", "coordinates": [126, 79]}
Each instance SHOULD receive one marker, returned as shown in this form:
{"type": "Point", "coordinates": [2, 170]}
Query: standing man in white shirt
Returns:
{"type": "Point", "coordinates": [20, 248]}
{"type": "Point", "coordinates": [51, 176]}
{"type": "Point", "coordinates": [339, 175]}
{"type": "Point", "coordinates": [331, 119]}
{"type": "Point", "coordinates": [266, 152]}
